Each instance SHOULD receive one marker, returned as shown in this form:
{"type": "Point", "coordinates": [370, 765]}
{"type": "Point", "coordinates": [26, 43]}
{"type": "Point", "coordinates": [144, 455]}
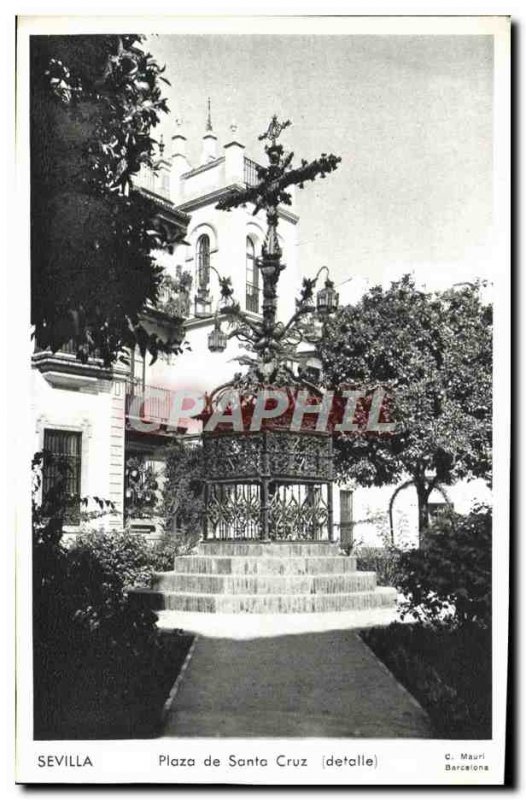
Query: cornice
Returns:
{"type": "Point", "coordinates": [202, 168]}
{"type": "Point", "coordinates": [179, 216]}
{"type": "Point", "coordinates": [217, 194]}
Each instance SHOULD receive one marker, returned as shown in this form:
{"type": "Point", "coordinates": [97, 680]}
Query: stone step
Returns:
{"type": "Point", "coordinates": [263, 604]}
{"type": "Point", "coordinates": [264, 584]}
{"type": "Point", "coordinates": [264, 565]}
{"type": "Point", "coordinates": [280, 549]}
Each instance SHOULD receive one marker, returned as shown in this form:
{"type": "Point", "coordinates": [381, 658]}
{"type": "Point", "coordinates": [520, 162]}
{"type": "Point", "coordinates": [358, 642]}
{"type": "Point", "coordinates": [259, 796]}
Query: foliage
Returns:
{"type": "Point", "coordinates": [448, 672]}
{"type": "Point", "coordinates": [94, 101]}
{"type": "Point", "coordinates": [175, 295]}
{"type": "Point", "coordinates": [432, 352]}
{"type": "Point", "coordinates": [140, 496]}
{"type": "Point", "coordinates": [385, 561]}
{"type": "Point", "coordinates": [449, 579]}
{"type": "Point", "coordinates": [182, 505]}
{"type": "Point", "coordinates": [167, 547]}
{"type": "Point", "coordinates": [94, 651]}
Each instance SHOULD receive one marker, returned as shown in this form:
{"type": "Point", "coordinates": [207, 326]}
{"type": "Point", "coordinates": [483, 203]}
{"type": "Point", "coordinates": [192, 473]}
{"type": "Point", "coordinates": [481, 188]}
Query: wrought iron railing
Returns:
{"type": "Point", "coordinates": [250, 172]}
{"type": "Point", "coordinates": [69, 347]}
{"type": "Point", "coordinates": [242, 500]}
{"type": "Point", "coordinates": [252, 299]}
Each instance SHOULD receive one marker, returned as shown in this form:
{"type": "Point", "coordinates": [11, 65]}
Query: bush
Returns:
{"type": "Point", "coordinates": [99, 666]}
{"type": "Point", "coordinates": [182, 504]}
{"type": "Point", "coordinates": [382, 560]}
{"type": "Point", "coordinates": [448, 672]}
{"type": "Point", "coordinates": [449, 578]}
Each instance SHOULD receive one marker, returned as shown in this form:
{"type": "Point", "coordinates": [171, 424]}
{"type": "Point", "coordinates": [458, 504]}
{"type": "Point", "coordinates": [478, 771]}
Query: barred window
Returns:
{"type": "Point", "coordinates": [203, 261]}
{"type": "Point", "coordinates": [61, 470]}
{"type": "Point", "coordinates": [252, 273]}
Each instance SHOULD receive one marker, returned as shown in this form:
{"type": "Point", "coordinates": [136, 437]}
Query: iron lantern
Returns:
{"type": "Point", "coordinates": [217, 339]}
{"type": "Point", "coordinates": [203, 305]}
{"type": "Point", "coordinates": [327, 298]}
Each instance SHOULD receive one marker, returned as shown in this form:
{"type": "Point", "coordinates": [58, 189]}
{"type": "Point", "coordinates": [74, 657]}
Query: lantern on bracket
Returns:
{"type": "Point", "coordinates": [327, 298]}
{"type": "Point", "coordinates": [203, 305]}
{"type": "Point", "coordinates": [217, 339]}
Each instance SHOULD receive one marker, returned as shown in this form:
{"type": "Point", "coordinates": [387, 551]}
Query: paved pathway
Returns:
{"type": "Point", "coordinates": [319, 684]}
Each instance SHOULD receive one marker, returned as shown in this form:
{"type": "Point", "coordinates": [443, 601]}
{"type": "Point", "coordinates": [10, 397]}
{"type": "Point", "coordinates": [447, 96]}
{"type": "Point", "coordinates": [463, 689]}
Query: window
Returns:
{"type": "Point", "coordinates": [252, 278]}
{"type": "Point", "coordinates": [203, 261]}
{"type": "Point", "coordinates": [62, 469]}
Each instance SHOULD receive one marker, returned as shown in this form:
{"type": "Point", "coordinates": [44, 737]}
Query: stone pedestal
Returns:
{"type": "Point", "coordinates": [260, 578]}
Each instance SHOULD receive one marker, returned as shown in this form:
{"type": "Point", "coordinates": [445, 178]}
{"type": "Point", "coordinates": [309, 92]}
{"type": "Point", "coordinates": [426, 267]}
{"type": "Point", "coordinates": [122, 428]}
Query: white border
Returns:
{"type": "Point", "coordinates": [404, 762]}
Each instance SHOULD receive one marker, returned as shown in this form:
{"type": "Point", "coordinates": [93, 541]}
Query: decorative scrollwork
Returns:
{"type": "Point", "coordinates": [280, 453]}
{"type": "Point", "coordinates": [298, 513]}
{"type": "Point", "coordinates": [233, 511]}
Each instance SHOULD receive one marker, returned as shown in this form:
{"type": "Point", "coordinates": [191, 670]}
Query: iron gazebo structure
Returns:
{"type": "Point", "coordinates": [273, 481]}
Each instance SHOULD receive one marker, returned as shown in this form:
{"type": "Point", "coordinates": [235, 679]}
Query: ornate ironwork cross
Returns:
{"type": "Point", "coordinates": [267, 195]}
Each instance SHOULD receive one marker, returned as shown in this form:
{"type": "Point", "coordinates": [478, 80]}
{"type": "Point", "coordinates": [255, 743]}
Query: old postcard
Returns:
{"type": "Point", "coordinates": [264, 538]}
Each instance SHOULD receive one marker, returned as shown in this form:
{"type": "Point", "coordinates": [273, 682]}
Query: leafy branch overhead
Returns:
{"type": "Point", "coordinates": [94, 103]}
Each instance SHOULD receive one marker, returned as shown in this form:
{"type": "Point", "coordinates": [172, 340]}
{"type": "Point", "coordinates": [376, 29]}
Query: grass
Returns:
{"type": "Point", "coordinates": [92, 701]}
{"type": "Point", "coordinates": [447, 671]}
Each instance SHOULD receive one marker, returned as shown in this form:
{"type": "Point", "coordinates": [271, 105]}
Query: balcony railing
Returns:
{"type": "Point", "coordinates": [148, 403]}
{"type": "Point", "coordinates": [250, 172]}
{"type": "Point", "coordinates": [69, 347]}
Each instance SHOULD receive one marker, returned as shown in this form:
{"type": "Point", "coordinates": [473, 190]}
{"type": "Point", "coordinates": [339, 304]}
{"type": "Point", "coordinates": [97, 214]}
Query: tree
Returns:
{"type": "Point", "coordinates": [94, 101]}
{"type": "Point", "coordinates": [432, 352]}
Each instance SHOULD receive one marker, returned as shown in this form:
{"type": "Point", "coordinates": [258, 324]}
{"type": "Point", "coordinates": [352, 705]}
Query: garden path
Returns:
{"type": "Point", "coordinates": [318, 684]}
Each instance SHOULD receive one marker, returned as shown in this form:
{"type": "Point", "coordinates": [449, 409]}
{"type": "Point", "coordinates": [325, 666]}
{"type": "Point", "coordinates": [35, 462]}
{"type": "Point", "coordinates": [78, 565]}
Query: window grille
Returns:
{"type": "Point", "coordinates": [203, 261]}
{"type": "Point", "coordinates": [61, 471]}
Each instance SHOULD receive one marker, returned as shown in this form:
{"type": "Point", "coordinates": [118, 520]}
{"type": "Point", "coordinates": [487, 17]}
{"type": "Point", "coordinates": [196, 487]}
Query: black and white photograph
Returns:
{"type": "Point", "coordinates": [265, 533]}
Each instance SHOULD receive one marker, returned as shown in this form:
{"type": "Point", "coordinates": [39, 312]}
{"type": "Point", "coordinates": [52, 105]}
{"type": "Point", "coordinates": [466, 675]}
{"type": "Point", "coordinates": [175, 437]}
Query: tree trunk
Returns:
{"type": "Point", "coordinates": [423, 491]}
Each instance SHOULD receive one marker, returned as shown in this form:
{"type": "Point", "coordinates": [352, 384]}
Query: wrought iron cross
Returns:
{"type": "Point", "coordinates": [268, 194]}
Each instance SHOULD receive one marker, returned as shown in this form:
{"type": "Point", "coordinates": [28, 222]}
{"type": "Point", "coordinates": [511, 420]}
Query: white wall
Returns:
{"type": "Point", "coordinates": [98, 413]}
{"type": "Point", "coordinates": [371, 510]}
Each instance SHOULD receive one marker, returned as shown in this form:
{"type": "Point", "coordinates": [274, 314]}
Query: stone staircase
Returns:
{"type": "Point", "coordinates": [266, 578]}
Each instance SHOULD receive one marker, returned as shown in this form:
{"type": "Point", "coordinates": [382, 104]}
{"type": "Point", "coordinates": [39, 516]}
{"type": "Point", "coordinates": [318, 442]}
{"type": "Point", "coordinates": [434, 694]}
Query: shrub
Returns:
{"type": "Point", "coordinates": [448, 671]}
{"type": "Point", "coordinates": [382, 560]}
{"type": "Point", "coordinates": [170, 545]}
{"type": "Point", "coordinates": [101, 667]}
{"type": "Point", "coordinates": [182, 504]}
{"type": "Point", "coordinates": [84, 614]}
{"type": "Point", "coordinates": [449, 578]}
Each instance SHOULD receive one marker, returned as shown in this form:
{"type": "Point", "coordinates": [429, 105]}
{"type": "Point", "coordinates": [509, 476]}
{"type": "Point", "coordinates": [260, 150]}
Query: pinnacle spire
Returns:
{"type": "Point", "coordinates": [209, 117]}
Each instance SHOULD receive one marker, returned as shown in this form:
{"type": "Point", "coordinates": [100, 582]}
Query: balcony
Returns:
{"type": "Point", "coordinates": [149, 406]}
{"type": "Point", "coordinates": [64, 370]}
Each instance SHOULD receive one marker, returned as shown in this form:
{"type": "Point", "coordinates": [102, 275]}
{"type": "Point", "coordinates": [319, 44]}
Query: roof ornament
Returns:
{"type": "Point", "coordinates": [209, 118]}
